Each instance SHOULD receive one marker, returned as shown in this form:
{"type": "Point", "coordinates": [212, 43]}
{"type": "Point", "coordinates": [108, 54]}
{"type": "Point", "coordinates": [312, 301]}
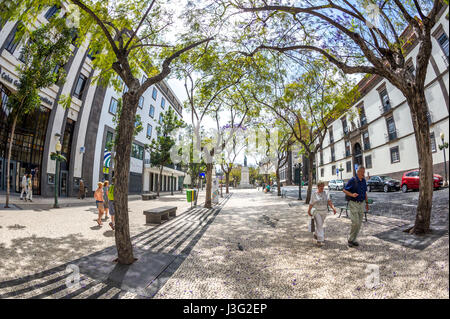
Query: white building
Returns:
{"type": "Point", "coordinates": [382, 138]}
{"type": "Point", "coordinates": [154, 102]}
{"type": "Point", "coordinates": [82, 128]}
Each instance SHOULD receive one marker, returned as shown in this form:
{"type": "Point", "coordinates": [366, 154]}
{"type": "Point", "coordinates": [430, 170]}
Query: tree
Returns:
{"type": "Point", "coordinates": [47, 49]}
{"type": "Point", "coordinates": [360, 37]}
{"type": "Point", "coordinates": [129, 39]}
{"type": "Point", "coordinates": [161, 146]}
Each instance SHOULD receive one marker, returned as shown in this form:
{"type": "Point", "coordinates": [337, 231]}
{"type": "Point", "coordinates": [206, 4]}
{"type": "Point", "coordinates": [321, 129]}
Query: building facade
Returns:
{"type": "Point", "coordinates": [381, 135]}
{"type": "Point", "coordinates": [82, 128]}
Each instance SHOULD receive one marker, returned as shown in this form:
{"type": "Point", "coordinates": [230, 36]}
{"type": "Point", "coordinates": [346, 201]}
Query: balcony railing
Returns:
{"type": "Point", "coordinates": [390, 136]}
{"type": "Point", "coordinates": [363, 121]}
{"type": "Point", "coordinates": [385, 108]}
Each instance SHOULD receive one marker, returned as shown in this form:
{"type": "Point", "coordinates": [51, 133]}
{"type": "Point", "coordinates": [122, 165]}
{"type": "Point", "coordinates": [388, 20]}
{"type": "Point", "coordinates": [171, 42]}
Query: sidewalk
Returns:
{"type": "Point", "coordinates": [45, 203]}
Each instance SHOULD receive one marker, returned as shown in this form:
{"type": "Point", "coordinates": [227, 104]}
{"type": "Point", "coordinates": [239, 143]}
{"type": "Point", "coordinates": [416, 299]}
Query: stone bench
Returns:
{"type": "Point", "coordinates": [158, 214]}
{"type": "Point", "coordinates": [148, 196]}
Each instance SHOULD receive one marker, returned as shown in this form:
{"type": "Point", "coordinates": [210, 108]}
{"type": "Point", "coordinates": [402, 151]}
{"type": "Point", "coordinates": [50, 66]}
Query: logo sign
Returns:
{"type": "Point", "coordinates": [337, 171]}
{"type": "Point", "coordinates": [107, 158]}
{"type": "Point", "coordinates": [356, 167]}
{"type": "Point", "coordinates": [202, 175]}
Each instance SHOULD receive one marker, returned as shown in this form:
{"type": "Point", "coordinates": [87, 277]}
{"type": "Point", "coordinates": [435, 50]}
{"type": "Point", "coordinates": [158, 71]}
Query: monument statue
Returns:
{"type": "Point", "coordinates": [245, 180]}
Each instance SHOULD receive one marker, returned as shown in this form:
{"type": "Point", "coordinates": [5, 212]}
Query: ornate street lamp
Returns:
{"type": "Point", "coordinates": [57, 158]}
{"type": "Point", "coordinates": [443, 147]}
{"type": "Point", "coordinates": [299, 167]}
{"type": "Point", "coordinates": [341, 169]}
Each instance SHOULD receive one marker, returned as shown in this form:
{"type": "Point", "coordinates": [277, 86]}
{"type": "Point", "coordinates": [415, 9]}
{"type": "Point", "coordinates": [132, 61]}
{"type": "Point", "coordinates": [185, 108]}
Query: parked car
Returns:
{"type": "Point", "coordinates": [336, 184]}
{"type": "Point", "coordinates": [410, 180]}
{"type": "Point", "coordinates": [383, 183]}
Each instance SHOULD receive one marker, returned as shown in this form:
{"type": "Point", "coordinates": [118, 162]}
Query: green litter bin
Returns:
{"type": "Point", "coordinates": [190, 195]}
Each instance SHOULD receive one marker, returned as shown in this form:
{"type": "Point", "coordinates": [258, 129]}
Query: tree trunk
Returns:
{"type": "Point", "coordinates": [418, 106]}
{"type": "Point", "coordinates": [310, 177]}
{"type": "Point", "coordinates": [124, 140]}
{"type": "Point", "coordinates": [209, 168]}
{"type": "Point", "coordinates": [278, 182]}
{"type": "Point", "coordinates": [8, 169]}
{"type": "Point", "coordinates": [227, 182]}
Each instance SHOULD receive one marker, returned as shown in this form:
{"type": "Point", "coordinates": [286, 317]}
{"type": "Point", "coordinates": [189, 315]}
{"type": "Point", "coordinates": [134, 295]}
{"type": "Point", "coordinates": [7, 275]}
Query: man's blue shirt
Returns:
{"type": "Point", "coordinates": [354, 185]}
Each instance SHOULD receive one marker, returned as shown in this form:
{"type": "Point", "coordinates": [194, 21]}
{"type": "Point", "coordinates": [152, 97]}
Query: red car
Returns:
{"type": "Point", "coordinates": [410, 180]}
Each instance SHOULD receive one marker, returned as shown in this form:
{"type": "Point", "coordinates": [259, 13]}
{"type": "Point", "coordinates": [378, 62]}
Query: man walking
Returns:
{"type": "Point", "coordinates": [30, 188]}
{"type": "Point", "coordinates": [356, 194]}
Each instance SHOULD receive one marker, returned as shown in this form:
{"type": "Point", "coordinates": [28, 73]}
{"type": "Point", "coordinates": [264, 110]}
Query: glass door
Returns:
{"type": "Point", "coordinates": [63, 184]}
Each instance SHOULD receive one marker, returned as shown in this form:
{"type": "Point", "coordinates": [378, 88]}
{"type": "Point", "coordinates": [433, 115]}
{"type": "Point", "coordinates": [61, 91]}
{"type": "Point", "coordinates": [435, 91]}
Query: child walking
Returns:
{"type": "Point", "coordinates": [319, 200]}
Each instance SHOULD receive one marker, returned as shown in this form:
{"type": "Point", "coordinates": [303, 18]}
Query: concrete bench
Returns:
{"type": "Point", "coordinates": [158, 214]}
{"type": "Point", "coordinates": [148, 196]}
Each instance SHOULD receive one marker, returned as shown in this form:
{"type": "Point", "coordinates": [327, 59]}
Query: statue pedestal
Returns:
{"type": "Point", "coordinates": [245, 180]}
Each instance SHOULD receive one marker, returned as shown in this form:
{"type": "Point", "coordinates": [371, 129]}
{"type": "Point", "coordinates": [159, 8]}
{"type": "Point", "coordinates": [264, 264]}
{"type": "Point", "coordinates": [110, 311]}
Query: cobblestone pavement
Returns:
{"type": "Point", "coordinates": [35, 254]}
{"type": "Point", "coordinates": [280, 260]}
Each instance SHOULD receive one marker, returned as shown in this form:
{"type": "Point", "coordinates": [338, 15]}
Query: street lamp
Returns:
{"type": "Point", "coordinates": [299, 167]}
{"type": "Point", "coordinates": [443, 147]}
{"type": "Point", "coordinates": [172, 184]}
{"type": "Point", "coordinates": [58, 152]}
{"type": "Point", "coordinates": [341, 169]}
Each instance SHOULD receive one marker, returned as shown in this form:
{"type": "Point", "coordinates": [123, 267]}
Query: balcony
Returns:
{"type": "Point", "coordinates": [385, 108]}
{"type": "Point", "coordinates": [390, 136]}
{"type": "Point", "coordinates": [362, 121]}
{"type": "Point", "coordinates": [429, 116]}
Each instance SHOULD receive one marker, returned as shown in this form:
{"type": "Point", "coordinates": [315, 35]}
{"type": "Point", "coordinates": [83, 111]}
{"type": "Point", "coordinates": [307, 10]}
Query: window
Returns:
{"type": "Point", "coordinates": [144, 78]}
{"type": "Point", "coordinates": [410, 68]}
{"type": "Point", "coordinates": [348, 166]}
{"type": "Point", "coordinates": [137, 151]}
{"type": "Point", "coordinates": [125, 89]}
{"type": "Point", "coordinates": [433, 142]}
{"type": "Point", "coordinates": [332, 154]}
{"type": "Point", "coordinates": [141, 102]}
{"type": "Point", "coordinates": [79, 88]}
{"type": "Point", "coordinates": [368, 161]}
{"type": "Point", "coordinates": [160, 118]}
{"type": "Point", "coordinates": [12, 42]}
{"type": "Point", "coordinates": [333, 170]}
{"type": "Point", "coordinates": [362, 116]}
{"type": "Point", "coordinates": [2, 23]}
{"type": "Point", "coordinates": [385, 100]}
{"type": "Point", "coordinates": [395, 155]}
{"type": "Point", "coordinates": [51, 12]}
{"type": "Point", "coordinates": [344, 125]}
{"type": "Point", "coordinates": [443, 42]}
{"type": "Point", "coordinates": [113, 106]}
{"type": "Point", "coordinates": [331, 135]}
{"type": "Point", "coordinates": [149, 131]}
{"type": "Point", "coordinates": [109, 140]}
{"type": "Point", "coordinates": [366, 140]}
{"type": "Point", "coordinates": [392, 132]}
{"type": "Point", "coordinates": [75, 35]}
{"type": "Point", "coordinates": [347, 149]}
{"type": "Point", "coordinates": [91, 53]}
{"type": "Point", "coordinates": [321, 172]}
{"type": "Point", "coordinates": [151, 112]}
{"type": "Point", "coordinates": [321, 157]}
{"type": "Point", "coordinates": [154, 94]}
{"type": "Point", "coordinates": [163, 103]}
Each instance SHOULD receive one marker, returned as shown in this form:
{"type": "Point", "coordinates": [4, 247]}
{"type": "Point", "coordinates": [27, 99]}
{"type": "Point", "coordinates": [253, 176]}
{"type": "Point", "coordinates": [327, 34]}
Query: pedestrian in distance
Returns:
{"type": "Point", "coordinates": [98, 195]}
{"type": "Point", "coordinates": [24, 185]}
{"type": "Point", "coordinates": [81, 191]}
{"type": "Point", "coordinates": [320, 200]}
{"type": "Point", "coordinates": [105, 198]}
{"type": "Point", "coordinates": [111, 206]}
{"type": "Point", "coordinates": [29, 188]}
{"type": "Point", "coordinates": [356, 194]}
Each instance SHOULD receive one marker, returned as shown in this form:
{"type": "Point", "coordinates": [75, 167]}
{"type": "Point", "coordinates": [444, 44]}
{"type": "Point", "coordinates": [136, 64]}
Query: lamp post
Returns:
{"type": "Point", "coordinates": [443, 147]}
{"type": "Point", "coordinates": [340, 169]}
{"type": "Point", "coordinates": [299, 166]}
{"type": "Point", "coordinates": [172, 185]}
{"type": "Point", "coordinates": [58, 151]}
